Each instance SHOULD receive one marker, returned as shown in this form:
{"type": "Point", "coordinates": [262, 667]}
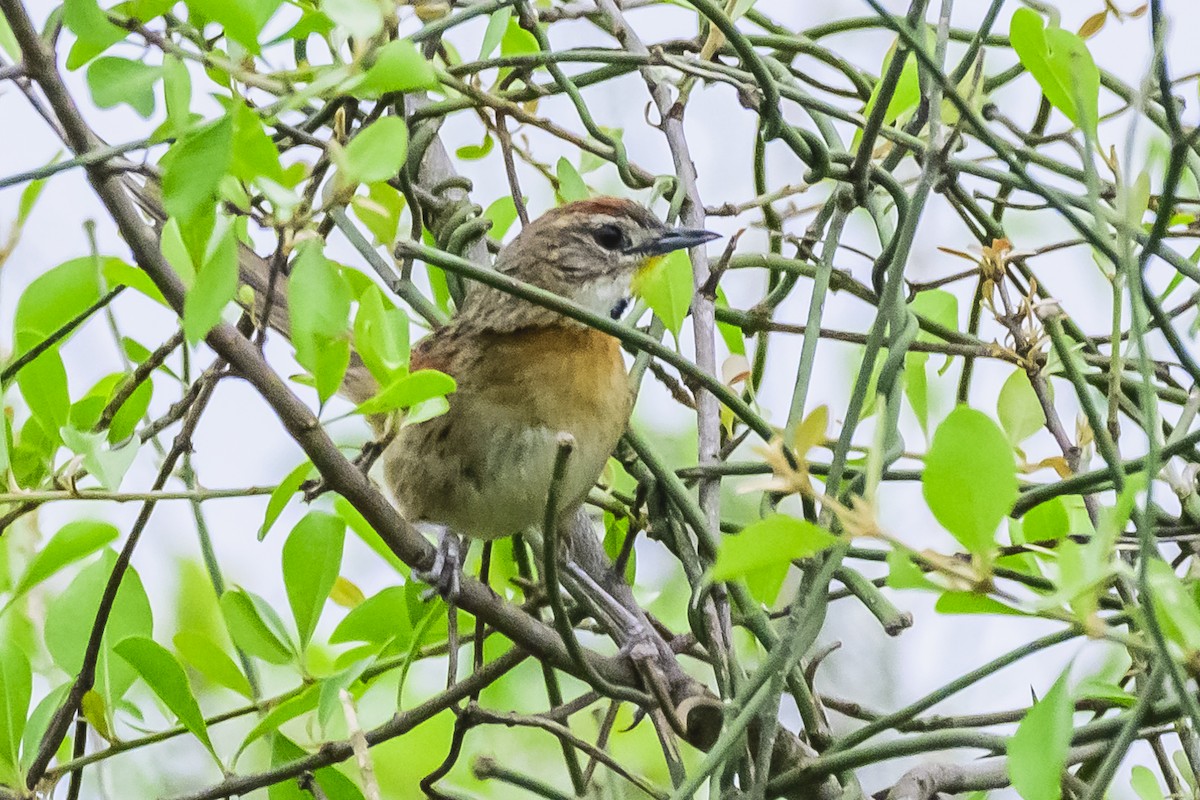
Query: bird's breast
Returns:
{"type": "Point", "coordinates": [484, 467]}
{"type": "Point", "coordinates": [559, 376]}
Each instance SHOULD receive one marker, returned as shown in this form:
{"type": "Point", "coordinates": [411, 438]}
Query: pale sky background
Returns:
{"type": "Point", "coordinates": [240, 443]}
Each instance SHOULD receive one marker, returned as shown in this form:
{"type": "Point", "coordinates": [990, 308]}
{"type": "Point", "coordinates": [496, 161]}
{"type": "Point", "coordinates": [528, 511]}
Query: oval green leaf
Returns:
{"type": "Point", "coordinates": [250, 630]}
{"type": "Point", "coordinates": [378, 151]}
{"type": "Point", "coordinates": [312, 557]}
{"type": "Point", "coordinates": [970, 478]}
{"type": "Point", "coordinates": [1037, 752]}
{"type": "Point", "coordinates": [166, 678]}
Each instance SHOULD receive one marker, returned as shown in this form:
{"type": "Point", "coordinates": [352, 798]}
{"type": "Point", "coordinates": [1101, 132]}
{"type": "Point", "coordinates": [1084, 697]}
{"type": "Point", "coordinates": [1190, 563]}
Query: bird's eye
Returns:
{"type": "Point", "coordinates": [610, 237]}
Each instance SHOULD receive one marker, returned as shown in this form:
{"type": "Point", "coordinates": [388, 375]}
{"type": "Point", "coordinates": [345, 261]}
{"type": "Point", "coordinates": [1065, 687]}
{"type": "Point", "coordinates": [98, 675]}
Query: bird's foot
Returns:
{"type": "Point", "coordinates": [444, 576]}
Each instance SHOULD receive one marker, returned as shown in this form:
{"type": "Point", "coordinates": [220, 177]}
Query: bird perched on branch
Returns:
{"type": "Point", "coordinates": [525, 376]}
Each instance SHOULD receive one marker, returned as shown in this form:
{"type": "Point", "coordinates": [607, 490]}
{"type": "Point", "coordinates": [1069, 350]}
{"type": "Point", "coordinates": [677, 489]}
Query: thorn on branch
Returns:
{"type": "Point", "coordinates": [709, 288]}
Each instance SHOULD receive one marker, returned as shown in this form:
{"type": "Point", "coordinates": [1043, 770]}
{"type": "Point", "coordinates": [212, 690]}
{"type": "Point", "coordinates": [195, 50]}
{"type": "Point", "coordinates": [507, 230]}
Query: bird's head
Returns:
{"type": "Point", "coordinates": [590, 250]}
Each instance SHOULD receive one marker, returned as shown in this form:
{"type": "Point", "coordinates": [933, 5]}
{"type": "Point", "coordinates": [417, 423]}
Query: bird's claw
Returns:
{"type": "Point", "coordinates": [444, 576]}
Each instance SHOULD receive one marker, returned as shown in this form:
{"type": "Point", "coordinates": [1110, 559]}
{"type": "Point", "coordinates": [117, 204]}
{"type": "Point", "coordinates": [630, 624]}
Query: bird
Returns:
{"type": "Point", "coordinates": [526, 379]}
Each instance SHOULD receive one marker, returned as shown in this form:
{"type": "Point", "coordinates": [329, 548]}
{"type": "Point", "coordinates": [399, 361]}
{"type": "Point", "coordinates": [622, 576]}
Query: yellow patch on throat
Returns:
{"type": "Point", "coordinates": [643, 272]}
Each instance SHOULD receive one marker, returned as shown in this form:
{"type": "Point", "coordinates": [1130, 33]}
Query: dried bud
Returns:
{"type": "Point", "coordinates": [1188, 484]}
{"type": "Point", "coordinates": [484, 768]}
{"type": "Point", "coordinates": [1048, 309]}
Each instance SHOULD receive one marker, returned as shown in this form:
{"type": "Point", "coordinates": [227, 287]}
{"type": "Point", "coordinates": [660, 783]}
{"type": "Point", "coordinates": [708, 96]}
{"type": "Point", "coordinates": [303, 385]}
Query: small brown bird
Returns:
{"type": "Point", "coordinates": [525, 375]}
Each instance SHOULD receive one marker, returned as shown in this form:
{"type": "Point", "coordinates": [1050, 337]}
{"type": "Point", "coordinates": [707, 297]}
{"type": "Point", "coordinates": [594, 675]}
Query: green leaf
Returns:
{"type": "Point", "coordinates": [49, 303]}
{"type": "Point", "coordinates": [332, 687]}
{"type": "Point", "coordinates": [98, 713]}
{"type": "Point", "coordinates": [284, 201]}
{"type": "Point", "coordinates": [1134, 200]}
{"type": "Point", "coordinates": [1061, 64]}
{"type": "Point", "coordinates": [666, 286]}
{"type": "Point", "coordinates": [319, 304]}
{"type": "Point", "coordinates": [936, 305]}
{"type": "Point", "coordinates": [903, 572]}
{"type": "Point", "coordinates": [70, 616]}
{"type": "Point", "coordinates": [380, 211]}
{"type": "Point", "coordinates": [177, 94]}
{"type": "Point", "coordinates": [1107, 691]}
{"type": "Point", "coordinates": [378, 151]}
{"type": "Point", "coordinates": [346, 593]}
{"type": "Point", "coordinates": [283, 492]}
{"type": "Point", "coordinates": [570, 184]}
{"type": "Point", "coordinates": [474, 152]}
{"type": "Point", "coordinates": [166, 678]}
{"type": "Point", "coordinates": [32, 449]}
{"type": "Point", "coordinates": [130, 413]}
{"type": "Point", "coordinates": [146, 10]}
{"type": "Point", "coordinates": [359, 525]}
{"type": "Point", "coordinates": [289, 709]}
{"type": "Point", "coordinates": [362, 19]}
{"type": "Point", "coordinates": [5, 444]}
{"type": "Point", "coordinates": [334, 784]}
{"type": "Point", "coordinates": [1037, 752]}
{"type": "Point", "coordinates": [378, 620]}
{"type": "Point", "coordinates": [1045, 521]}
{"type": "Point", "coordinates": [1175, 607]}
{"type": "Point", "coordinates": [970, 478]}
{"type": "Point", "coordinates": [409, 390]}
{"type": "Point", "coordinates": [310, 22]}
{"type": "Point", "coordinates": [37, 725]}
{"type": "Point", "coordinates": [1144, 784]}
{"type": "Point", "coordinates": [1018, 408]}
{"type": "Point", "coordinates": [118, 273]}
{"type": "Point", "coordinates": [381, 336]}
{"type": "Point", "coordinates": [906, 95]}
{"type": "Point", "coordinates": [16, 688]}
{"type": "Point", "coordinates": [740, 8]}
{"type": "Point", "coordinates": [732, 335]}
{"type": "Point", "coordinates": [398, 67]}
{"type": "Point", "coordinates": [56, 298]}
{"type": "Point", "coordinates": [497, 25]}
{"type": "Point", "coordinates": [85, 412]}
{"type": "Point", "coordinates": [425, 410]}
{"type": "Point", "coordinates": [107, 464]}
{"type": "Point", "coordinates": [113, 81]}
{"type": "Point", "coordinates": [203, 654]}
{"type": "Point", "coordinates": [91, 26]}
{"type": "Point", "coordinates": [250, 630]}
{"type": "Point", "coordinates": [517, 41]}
{"type": "Point", "coordinates": [590, 162]}
{"type": "Point", "coordinates": [30, 195]}
{"type": "Point", "coordinates": [615, 532]}
{"type": "Point", "coordinates": [215, 284]}
{"type": "Point", "coordinates": [193, 169]}
{"type": "Point", "coordinates": [8, 42]}
{"type": "Point", "coordinates": [242, 20]}
{"type": "Point", "coordinates": [972, 603]}
{"type": "Point", "coordinates": [916, 387]}
{"type": "Point", "coordinates": [1184, 768]}
{"type": "Point", "coordinates": [771, 541]}
{"type": "Point", "coordinates": [74, 541]}
{"type": "Point", "coordinates": [135, 350]}
{"type": "Point", "coordinates": [503, 213]}
{"type": "Point", "coordinates": [254, 154]}
{"type": "Point", "coordinates": [940, 306]}
{"type": "Point", "coordinates": [312, 557]}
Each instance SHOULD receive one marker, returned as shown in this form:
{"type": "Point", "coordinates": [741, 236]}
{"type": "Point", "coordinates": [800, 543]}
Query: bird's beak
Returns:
{"type": "Point", "coordinates": [674, 239]}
